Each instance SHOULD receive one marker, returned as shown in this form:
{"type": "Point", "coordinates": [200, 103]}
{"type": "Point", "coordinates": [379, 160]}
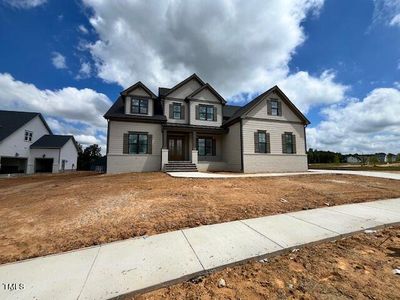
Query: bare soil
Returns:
{"type": "Point", "coordinates": [358, 267]}
{"type": "Point", "coordinates": [41, 215]}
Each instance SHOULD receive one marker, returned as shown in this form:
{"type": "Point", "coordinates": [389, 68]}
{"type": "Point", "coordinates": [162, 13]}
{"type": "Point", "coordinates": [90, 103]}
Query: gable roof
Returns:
{"type": "Point", "coordinates": [193, 76]}
{"type": "Point", "coordinates": [11, 121]}
{"type": "Point", "coordinates": [211, 89]}
{"type": "Point", "coordinates": [136, 85]}
{"type": "Point", "coordinates": [229, 110]}
{"type": "Point", "coordinates": [117, 111]}
{"type": "Point", "coordinates": [275, 89]}
{"type": "Point", "coordinates": [50, 141]}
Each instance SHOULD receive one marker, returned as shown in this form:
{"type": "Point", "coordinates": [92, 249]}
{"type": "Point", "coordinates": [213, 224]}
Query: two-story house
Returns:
{"type": "Point", "coordinates": [190, 126]}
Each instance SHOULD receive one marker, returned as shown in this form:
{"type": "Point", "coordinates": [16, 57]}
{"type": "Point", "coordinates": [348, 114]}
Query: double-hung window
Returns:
{"type": "Point", "coordinates": [262, 142]}
{"type": "Point", "coordinates": [137, 143]}
{"type": "Point", "coordinates": [206, 146]}
{"type": "Point", "coordinates": [274, 108]}
{"type": "Point", "coordinates": [177, 111]}
{"type": "Point", "coordinates": [139, 106]}
{"type": "Point", "coordinates": [206, 112]}
{"type": "Point", "coordinates": [288, 143]}
{"type": "Point", "coordinates": [28, 136]}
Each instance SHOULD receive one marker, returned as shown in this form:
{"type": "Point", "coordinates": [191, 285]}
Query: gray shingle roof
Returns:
{"type": "Point", "coordinates": [52, 141]}
{"type": "Point", "coordinates": [10, 121]}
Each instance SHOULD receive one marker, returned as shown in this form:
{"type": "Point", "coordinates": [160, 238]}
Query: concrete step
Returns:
{"type": "Point", "coordinates": [180, 166]}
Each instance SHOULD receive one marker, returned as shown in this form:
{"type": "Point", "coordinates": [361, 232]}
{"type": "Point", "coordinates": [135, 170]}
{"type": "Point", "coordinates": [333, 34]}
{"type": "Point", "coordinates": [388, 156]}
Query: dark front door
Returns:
{"type": "Point", "coordinates": [176, 148]}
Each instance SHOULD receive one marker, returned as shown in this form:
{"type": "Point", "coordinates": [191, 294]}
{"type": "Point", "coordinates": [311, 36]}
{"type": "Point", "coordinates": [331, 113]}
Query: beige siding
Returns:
{"type": "Point", "coordinates": [185, 107]}
{"type": "Point", "coordinates": [275, 161]}
{"type": "Point", "coordinates": [117, 162]}
{"type": "Point", "coordinates": [260, 111]}
{"type": "Point", "coordinates": [231, 148]}
{"type": "Point", "coordinates": [185, 90]}
{"type": "Point", "coordinates": [205, 94]}
{"type": "Point", "coordinates": [139, 91]}
{"type": "Point", "coordinates": [128, 106]}
{"type": "Point", "coordinates": [193, 120]}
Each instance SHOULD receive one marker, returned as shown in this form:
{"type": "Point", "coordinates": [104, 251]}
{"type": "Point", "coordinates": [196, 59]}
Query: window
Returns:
{"type": "Point", "coordinates": [274, 108]}
{"type": "Point", "coordinates": [177, 111]}
{"type": "Point", "coordinates": [262, 142]}
{"type": "Point", "coordinates": [206, 146]}
{"type": "Point", "coordinates": [288, 143]}
{"type": "Point", "coordinates": [28, 136]}
{"type": "Point", "coordinates": [137, 143]}
{"type": "Point", "coordinates": [139, 106]}
{"type": "Point", "coordinates": [206, 112]}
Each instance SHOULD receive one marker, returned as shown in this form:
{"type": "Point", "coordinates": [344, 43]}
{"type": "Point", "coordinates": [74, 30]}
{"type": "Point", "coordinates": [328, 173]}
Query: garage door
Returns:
{"type": "Point", "coordinates": [43, 165]}
{"type": "Point", "coordinates": [10, 165]}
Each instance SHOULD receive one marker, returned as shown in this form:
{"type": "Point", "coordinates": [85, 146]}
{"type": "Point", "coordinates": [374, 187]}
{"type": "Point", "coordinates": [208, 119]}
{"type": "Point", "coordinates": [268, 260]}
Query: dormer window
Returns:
{"type": "Point", "coordinates": [139, 106]}
{"type": "Point", "coordinates": [206, 112]}
{"type": "Point", "coordinates": [28, 136]}
{"type": "Point", "coordinates": [274, 108]}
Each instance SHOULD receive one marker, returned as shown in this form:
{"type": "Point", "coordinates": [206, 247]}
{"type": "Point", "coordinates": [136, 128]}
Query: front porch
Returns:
{"type": "Point", "coordinates": [188, 145]}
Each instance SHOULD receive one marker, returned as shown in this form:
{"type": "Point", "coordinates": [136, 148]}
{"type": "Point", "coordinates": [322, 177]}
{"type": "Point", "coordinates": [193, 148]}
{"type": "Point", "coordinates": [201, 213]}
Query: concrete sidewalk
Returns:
{"type": "Point", "coordinates": [378, 174]}
{"type": "Point", "coordinates": [146, 263]}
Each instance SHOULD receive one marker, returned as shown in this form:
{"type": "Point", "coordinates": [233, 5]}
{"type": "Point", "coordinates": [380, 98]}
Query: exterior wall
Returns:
{"type": "Point", "coordinates": [260, 111]}
{"type": "Point", "coordinates": [185, 90]}
{"type": "Point", "coordinates": [275, 161]}
{"type": "Point", "coordinates": [218, 149]}
{"type": "Point", "coordinates": [70, 154]}
{"type": "Point", "coordinates": [15, 143]}
{"type": "Point", "coordinates": [231, 149]}
{"type": "Point", "coordinates": [193, 120]}
{"type": "Point", "coordinates": [117, 162]}
{"type": "Point", "coordinates": [48, 153]}
{"type": "Point", "coordinates": [150, 110]}
{"type": "Point", "coordinates": [167, 102]}
{"type": "Point", "coordinates": [139, 91]}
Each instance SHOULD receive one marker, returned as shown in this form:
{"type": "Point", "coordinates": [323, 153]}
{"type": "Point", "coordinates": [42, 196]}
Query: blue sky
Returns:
{"type": "Point", "coordinates": [339, 61]}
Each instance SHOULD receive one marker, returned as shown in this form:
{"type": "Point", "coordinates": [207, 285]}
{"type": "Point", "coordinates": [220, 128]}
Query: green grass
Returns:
{"type": "Point", "coordinates": [351, 167]}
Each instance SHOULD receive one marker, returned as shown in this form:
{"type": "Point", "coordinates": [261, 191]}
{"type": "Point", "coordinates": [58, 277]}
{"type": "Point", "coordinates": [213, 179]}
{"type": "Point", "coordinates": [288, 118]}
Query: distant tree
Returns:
{"type": "Point", "coordinates": [324, 157]}
{"type": "Point", "coordinates": [390, 158]}
{"type": "Point", "coordinates": [87, 156]}
{"type": "Point", "coordinates": [373, 160]}
{"type": "Point", "coordinates": [398, 157]}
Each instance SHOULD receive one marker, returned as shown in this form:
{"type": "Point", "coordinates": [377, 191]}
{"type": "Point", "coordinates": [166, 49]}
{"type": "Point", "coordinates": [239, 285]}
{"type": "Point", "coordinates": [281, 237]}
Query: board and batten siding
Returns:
{"type": "Point", "coordinates": [276, 161]}
{"type": "Point", "coordinates": [117, 162]}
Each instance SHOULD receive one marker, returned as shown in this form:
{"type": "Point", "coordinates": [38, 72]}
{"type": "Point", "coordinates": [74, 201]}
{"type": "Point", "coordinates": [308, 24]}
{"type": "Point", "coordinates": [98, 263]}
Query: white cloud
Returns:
{"type": "Point", "coordinates": [83, 29]}
{"type": "Point", "coordinates": [369, 125]}
{"type": "Point", "coordinates": [25, 4]}
{"type": "Point", "coordinates": [387, 12]}
{"type": "Point", "coordinates": [58, 60]}
{"type": "Point", "coordinates": [68, 110]}
{"type": "Point", "coordinates": [237, 46]}
{"type": "Point", "coordinates": [84, 71]}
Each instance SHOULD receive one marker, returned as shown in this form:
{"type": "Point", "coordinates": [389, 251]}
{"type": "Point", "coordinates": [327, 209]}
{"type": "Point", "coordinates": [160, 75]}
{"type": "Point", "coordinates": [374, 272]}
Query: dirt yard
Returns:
{"type": "Point", "coordinates": [359, 267]}
{"type": "Point", "coordinates": [41, 215]}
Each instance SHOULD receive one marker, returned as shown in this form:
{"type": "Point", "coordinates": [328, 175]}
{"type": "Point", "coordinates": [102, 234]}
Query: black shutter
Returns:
{"type": "Point", "coordinates": [256, 148]}
{"type": "Point", "coordinates": [182, 112]}
{"type": "Point", "coordinates": [214, 147]}
{"type": "Point", "coordinates": [197, 112]}
{"type": "Point", "coordinates": [269, 108]}
{"type": "Point", "coordinates": [171, 111]}
{"type": "Point", "coordinates": [283, 144]}
{"type": "Point", "coordinates": [268, 141]}
{"type": "Point", "coordinates": [294, 143]}
{"type": "Point", "coordinates": [149, 144]}
{"type": "Point", "coordinates": [279, 108]}
{"type": "Point", "coordinates": [215, 114]}
{"type": "Point", "coordinates": [125, 146]}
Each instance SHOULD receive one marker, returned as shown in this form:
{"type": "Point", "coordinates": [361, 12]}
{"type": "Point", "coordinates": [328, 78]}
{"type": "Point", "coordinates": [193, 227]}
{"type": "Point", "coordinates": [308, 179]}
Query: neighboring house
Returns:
{"type": "Point", "coordinates": [190, 126]}
{"type": "Point", "coordinates": [27, 145]}
{"type": "Point", "coordinates": [353, 159]}
{"type": "Point", "coordinates": [380, 157]}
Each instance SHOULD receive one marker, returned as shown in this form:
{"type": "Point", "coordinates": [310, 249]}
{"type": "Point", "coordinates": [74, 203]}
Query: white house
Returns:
{"type": "Point", "coordinates": [27, 145]}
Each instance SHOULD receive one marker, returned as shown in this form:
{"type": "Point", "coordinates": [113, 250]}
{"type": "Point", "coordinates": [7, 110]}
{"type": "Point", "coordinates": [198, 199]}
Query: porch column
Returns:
{"type": "Point", "coordinates": [195, 158]}
{"type": "Point", "coordinates": [164, 150]}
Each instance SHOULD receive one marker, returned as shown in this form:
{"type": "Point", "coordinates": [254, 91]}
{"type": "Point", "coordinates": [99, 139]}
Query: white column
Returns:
{"type": "Point", "coordinates": [195, 158]}
{"type": "Point", "coordinates": [164, 158]}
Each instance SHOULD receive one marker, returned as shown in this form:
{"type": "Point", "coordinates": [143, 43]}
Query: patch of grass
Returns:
{"type": "Point", "coordinates": [353, 167]}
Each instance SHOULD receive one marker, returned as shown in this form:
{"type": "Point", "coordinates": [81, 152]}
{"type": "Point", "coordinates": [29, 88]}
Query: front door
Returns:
{"type": "Point", "coordinates": [176, 148]}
